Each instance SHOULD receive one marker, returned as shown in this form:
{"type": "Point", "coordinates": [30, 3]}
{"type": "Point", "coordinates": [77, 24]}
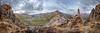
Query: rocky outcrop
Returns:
{"type": "Point", "coordinates": [93, 20]}
{"type": "Point", "coordinates": [58, 19]}
{"type": "Point", "coordinates": [77, 22]}
{"type": "Point", "coordinates": [9, 22]}
{"type": "Point", "coordinates": [69, 24]}
{"type": "Point", "coordinates": [46, 30]}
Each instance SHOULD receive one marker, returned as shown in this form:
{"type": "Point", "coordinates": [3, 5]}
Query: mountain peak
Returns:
{"type": "Point", "coordinates": [57, 12]}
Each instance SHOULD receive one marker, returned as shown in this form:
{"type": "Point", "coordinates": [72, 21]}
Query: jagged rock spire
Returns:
{"type": "Point", "coordinates": [77, 21]}
{"type": "Point", "coordinates": [78, 12]}
{"type": "Point", "coordinates": [93, 10]}
{"type": "Point", "coordinates": [92, 13]}
{"type": "Point", "coordinates": [94, 19]}
{"type": "Point", "coordinates": [95, 13]}
{"type": "Point", "coordinates": [77, 17]}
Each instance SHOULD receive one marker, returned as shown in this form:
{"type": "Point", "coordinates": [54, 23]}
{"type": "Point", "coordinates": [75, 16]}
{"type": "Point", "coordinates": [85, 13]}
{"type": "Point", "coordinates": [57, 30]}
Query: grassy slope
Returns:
{"type": "Point", "coordinates": [36, 20]}
{"type": "Point", "coordinates": [42, 20]}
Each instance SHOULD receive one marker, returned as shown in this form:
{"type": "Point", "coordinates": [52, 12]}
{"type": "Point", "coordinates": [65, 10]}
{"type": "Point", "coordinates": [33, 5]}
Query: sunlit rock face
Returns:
{"type": "Point", "coordinates": [95, 14]}
{"type": "Point", "coordinates": [94, 20]}
{"type": "Point", "coordinates": [9, 22]}
{"type": "Point", "coordinates": [97, 19]}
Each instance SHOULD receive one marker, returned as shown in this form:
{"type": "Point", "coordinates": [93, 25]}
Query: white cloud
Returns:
{"type": "Point", "coordinates": [39, 12]}
{"type": "Point", "coordinates": [19, 11]}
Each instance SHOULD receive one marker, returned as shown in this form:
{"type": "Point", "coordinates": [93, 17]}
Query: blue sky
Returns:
{"type": "Point", "coordinates": [44, 6]}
